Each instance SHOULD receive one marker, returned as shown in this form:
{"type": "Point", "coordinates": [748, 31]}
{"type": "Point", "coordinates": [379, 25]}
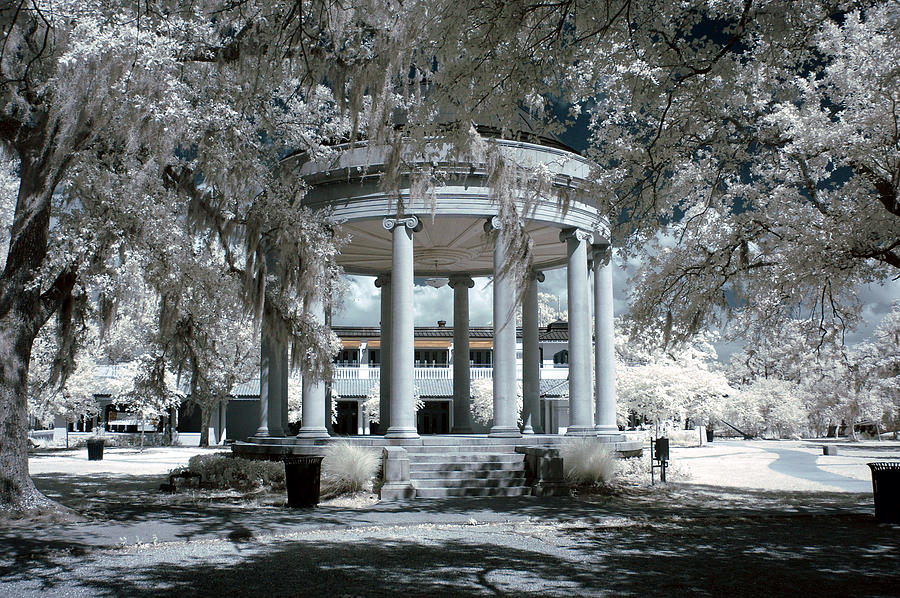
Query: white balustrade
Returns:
{"type": "Point", "coordinates": [373, 372]}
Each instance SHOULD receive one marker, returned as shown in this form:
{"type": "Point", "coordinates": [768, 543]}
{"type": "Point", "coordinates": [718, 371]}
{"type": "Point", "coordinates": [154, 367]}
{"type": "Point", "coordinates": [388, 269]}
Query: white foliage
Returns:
{"type": "Point", "coordinates": [483, 401]}
{"type": "Point", "coordinates": [588, 462]}
{"type": "Point", "coordinates": [372, 405]}
{"type": "Point", "coordinates": [348, 468]}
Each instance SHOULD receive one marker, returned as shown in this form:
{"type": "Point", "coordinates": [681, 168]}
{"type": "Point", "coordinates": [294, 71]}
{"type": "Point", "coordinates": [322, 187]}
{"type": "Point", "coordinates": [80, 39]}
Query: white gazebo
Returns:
{"type": "Point", "coordinates": [456, 234]}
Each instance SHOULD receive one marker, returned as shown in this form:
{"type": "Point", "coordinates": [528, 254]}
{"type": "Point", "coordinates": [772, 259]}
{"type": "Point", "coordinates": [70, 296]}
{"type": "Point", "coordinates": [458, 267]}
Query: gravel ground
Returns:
{"type": "Point", "coordinates": [746, 519]}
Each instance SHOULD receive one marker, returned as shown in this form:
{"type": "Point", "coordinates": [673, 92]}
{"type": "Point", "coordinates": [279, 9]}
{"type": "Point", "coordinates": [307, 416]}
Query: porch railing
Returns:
{"type": "Point", "coordinates": [373, 372]}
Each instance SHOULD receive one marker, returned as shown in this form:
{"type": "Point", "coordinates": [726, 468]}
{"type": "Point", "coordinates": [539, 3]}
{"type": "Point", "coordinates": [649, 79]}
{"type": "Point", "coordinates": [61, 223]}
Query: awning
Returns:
{"type": "Point", "coordinates": [432, 344]}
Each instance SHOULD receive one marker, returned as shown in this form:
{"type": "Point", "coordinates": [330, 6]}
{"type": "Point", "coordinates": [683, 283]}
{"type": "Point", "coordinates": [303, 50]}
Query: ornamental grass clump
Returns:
{"type": "Point", "coordinates": [347, 468]}
{"type": "Point", "coordinates": [588, 462]}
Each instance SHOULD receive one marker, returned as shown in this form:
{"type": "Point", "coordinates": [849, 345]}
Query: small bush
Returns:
{"type": "Point", "coordinates": [133, 440]}
{"type": "Point", "coordinates": [348, 468]}
{"type": "Point", "coordinates": [224, 471]}
{"type": "Point", "coordinates": [588, 462]}
{"type": "Point", "coordinates": [635, 471]}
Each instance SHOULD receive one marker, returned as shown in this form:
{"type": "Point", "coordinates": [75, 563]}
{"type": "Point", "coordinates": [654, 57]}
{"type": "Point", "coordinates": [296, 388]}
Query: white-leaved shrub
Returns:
{"type": "Point", "coordinates": [224, 471]}
{"type": "Point", "coordinates": [588, 462]}
{"type": "Point", "coordinates": [347, 468]}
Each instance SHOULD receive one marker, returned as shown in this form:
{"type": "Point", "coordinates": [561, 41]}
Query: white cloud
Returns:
{"type": "Point", "coordinates": [876, 302]}
{"type": "Point", "coordinates": [362, 303]}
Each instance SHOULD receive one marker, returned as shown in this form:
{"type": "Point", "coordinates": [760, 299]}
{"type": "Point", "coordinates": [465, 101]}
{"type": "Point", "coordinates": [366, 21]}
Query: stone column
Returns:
{"type": "Point", "coordinates": [462, 396]}
{"type": "Point", "coordinates": [329, 396]}
{"type": "Point", "coordinates": [313, 392]}
{"type": "Point", "coordinates": [223, 423]}
{"type": "Point", "coordinates": [403, 405]}
{"type": "Point", "coordinates": [504, 340]}
{"type": "Point", "coordinates": [285, 371]}
{"type": "Point", "coordinates": [604, 335]}
{"type": "Point", "coordinates": [384, 401]}
{"type": "Point", "coordinates": [275, 390]}
{"type": "Point", "coordinates": [580, 404]}
{"type": "Point", "coordinates": [266, 358]}
{"type": "Point", "coordinates": [531, 357]}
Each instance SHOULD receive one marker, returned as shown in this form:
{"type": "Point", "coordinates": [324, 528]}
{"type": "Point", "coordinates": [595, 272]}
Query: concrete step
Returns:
{"type": "Point", "coordinates": [466, 458]}
{"type": "Point", "coordinates": [448, 492]}
{"type": "Point", "coordinates": [455, 449]}
{"type": "Point", "coordinates": [508, 482]}
{"type": "Point", "coordinates": [466, 466]}
{"type": "Point", "coordinates": [462, 474]}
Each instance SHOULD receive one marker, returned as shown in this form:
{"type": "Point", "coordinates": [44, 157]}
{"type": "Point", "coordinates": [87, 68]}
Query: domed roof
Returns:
{"type": "Point", "coordinates": [522, 127]}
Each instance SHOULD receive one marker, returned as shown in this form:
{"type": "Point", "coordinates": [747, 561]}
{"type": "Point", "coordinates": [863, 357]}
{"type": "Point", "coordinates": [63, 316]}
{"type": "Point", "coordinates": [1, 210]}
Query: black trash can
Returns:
{"type": "Point", "coordinates": [710, 434]}
{"type": "Point", "coordinates": [301, 478]}
{"type": "Point", "coordinates": [95, 449]}
{"type": "Point", "coordinates": [886, 490]}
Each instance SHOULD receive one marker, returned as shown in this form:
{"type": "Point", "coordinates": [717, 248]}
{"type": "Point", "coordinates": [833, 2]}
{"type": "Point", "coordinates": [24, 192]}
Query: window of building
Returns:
{"type": "Point", "coordinates": [481, 358]}
{"type": "Point", "coordinates": [428, 358]}
{"type": "Point", "coordinates": [347, 357]}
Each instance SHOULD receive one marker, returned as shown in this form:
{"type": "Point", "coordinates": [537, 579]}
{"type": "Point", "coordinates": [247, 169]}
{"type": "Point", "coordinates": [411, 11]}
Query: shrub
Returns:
{"type": "Point", "coordinates": [348, 468]}
{"type": "Point", "coordinates": [588, 462]}
{"type": "Point", "coordinates": [222, 470]}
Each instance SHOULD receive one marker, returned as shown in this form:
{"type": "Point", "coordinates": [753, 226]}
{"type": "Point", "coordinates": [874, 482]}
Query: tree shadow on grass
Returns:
{"type": "Point", "coordinates": [713, 556]}
{"type": "Point", "coordinates": [127, 506]}
{"type": "Point", "coordinates": [712, 540]}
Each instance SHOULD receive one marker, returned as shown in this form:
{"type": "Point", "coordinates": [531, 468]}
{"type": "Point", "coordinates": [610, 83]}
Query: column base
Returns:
{"type": "Point", "coordinates": [313, 433]}
{"type": "Point", "coordinates": [504, 432]}
{"type": "Point", "coordinates": [527, 430]}
{"type": "Point", "coordinates": [398, 432]}
{"type": "Point", "coordinates": [262, 431]}
{"type": "Point", "coordinates": [606, 429]}
{"type": "Point", "coordinates": [581, 431]}
{"type": "Point", "coordinates": [611, 436]}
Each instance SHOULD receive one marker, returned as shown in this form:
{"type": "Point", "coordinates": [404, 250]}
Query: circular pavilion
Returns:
{"type": "Point", "coordinates": [456, 233]}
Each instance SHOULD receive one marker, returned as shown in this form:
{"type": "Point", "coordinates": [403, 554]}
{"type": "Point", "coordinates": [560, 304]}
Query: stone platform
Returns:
{"type": "Point", "coordinates": [443, 466]}
{"type": "Point", "coordinates": [625, 444]}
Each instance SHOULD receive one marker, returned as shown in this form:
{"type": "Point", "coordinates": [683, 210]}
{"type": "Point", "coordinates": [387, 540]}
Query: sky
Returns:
{"type": "Point", "coordinates": [362, 302]}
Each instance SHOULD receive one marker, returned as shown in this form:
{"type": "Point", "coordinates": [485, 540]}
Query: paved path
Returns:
{"type": "Point", "coordinates": [692, 538]}
{"type": "Point", "coordinates": [785, 465]}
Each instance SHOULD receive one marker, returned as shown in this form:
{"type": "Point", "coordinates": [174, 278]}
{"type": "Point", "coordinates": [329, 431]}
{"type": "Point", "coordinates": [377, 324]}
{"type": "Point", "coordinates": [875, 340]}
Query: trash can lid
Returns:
{"type": "Point", "coordinates": [303, 460]}
{"type": "Point", "coordinates": [884, 465]}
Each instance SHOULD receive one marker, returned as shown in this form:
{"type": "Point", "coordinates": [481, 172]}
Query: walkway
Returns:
{"type": "Point", "coordinates": [691, 538]}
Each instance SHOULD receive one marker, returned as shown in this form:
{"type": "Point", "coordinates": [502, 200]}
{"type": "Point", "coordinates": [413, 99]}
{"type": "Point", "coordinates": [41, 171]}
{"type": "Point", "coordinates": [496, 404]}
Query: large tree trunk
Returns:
{"type": "Point", "coordinates": [17, 491]}
{"type": "Point", "coordinates": [23, 310]}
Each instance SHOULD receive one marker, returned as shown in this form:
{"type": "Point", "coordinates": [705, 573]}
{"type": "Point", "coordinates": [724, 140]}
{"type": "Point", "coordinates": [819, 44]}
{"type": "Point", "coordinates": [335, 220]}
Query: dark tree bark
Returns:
{"type": "Point", "coordinates": [24, 308]}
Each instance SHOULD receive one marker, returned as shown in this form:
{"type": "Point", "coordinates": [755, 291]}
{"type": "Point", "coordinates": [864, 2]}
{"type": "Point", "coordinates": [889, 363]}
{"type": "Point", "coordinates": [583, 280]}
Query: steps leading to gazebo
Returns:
{"type": "Point", "coordinates": [446, 465]}
{"type": "Point", "coordinates": [480, 472]}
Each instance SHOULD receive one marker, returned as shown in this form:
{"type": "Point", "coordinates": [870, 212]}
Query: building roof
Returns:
{"type": "Point", "coordinates": [443, 388]}
{"type": "Point", "coordinates": [554, 332]}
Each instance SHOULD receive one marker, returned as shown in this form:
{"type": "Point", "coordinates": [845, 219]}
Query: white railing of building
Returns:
{"type": "Point", "coordinates": [373, 372]}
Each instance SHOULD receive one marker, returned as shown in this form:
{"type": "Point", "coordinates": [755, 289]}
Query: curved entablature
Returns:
{"type": "Point", "coordinates": [348, 183]}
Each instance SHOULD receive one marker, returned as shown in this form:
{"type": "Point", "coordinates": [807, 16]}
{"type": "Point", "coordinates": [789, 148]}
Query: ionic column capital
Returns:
{"type": "Point", "coordinates": [461, 279]}
{"type": "Point", "coordinates": [576, 234]}
{"type": "Point", "coordinates": [493, 224]}
{"type": "Point", "coordinates": [536, 275]}
{"type": "Point", "coordinates": [383, 280]}
{"type": "Point", "coordinates": [600, 252]}
{"type": "Point", "coordinates": [411, 222]}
